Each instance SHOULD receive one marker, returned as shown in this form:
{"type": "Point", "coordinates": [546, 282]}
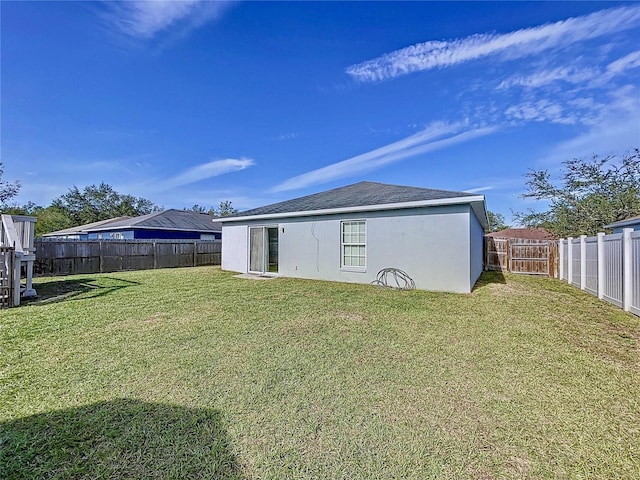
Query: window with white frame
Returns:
{"type": "Point", "coordinates": [353, 244]}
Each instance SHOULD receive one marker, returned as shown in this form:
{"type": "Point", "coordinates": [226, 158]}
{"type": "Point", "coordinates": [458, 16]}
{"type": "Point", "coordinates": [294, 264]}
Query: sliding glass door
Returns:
{"type": "Point", "coordinates": [263, 249]}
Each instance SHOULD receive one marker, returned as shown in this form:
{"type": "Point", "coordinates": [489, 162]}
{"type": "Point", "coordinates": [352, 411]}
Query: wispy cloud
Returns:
{"type": "Point", "coordinates": [287, 136]}
{"type": "Point", "coordinates": [615, 128]}
{"type": "Point", "coordinates": [538, 79]}
{"type": "Point", "coordinates": [208, 170]}
{"type": "Point", "coordinates": [629, 61]}
{"type": "Point", "coordinates": [146, 19]}
{"type": "Point", "coordinates": [479, 189]}
{"type": "Point", "coordinates": [591, 76]}
{"type": "Point", "coordinates": [438, 135]}
{"type": "Point", "coordinates": [540, 111]}
{"type": "Point", "coordinates": [516, 44]}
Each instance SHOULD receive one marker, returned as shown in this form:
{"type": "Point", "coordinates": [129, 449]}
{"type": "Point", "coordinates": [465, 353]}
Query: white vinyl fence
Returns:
{"type": "Point", "coordinates": [607, 266]}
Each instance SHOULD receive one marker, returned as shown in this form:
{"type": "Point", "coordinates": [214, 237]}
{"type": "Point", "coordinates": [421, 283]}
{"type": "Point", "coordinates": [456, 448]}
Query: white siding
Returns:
{"type": "Point", "coordinates": [476, 247]}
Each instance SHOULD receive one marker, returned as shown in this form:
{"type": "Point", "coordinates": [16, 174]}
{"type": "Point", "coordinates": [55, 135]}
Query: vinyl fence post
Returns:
{"type": "Point", "coordinates": [569, 259]}
{"type": "Point", "coordinates": [626, 269]}
{"type": "Point", "coordinates": [583, 262]}
{"type": "Point", "coordinates": [600, 258]}
{"type": "Point", "coordinates": [561, 259]}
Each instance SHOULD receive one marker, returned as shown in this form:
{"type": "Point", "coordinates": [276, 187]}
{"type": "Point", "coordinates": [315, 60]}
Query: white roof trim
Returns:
{"type": "Point", "coordinates": [362, 208]}
{"type": "Point", "coordinates": [624, 223]}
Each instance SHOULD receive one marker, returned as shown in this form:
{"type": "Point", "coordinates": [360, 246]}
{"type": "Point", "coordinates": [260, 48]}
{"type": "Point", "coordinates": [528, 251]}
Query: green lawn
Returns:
{"type": "Point", "coordinates": [193, 373]}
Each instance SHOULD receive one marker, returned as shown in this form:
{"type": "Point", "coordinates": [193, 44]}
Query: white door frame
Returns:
{"type": "Point", "coordinates": [265, 249]}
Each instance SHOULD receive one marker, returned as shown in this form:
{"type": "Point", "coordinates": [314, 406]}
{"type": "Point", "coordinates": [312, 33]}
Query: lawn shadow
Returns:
{"type": "Point", "coordinates": [489, 277]}
{"type": "Point", "coordinates": [68, 290]}
{"type": "Point", "coordinates": [121, 438]}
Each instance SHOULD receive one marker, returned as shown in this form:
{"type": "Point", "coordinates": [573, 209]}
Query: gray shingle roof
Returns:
{"type": "Point", "coordinates": [623, 223]}
{"type": "Point", "coordinates": [181, 220]}
{"type": "Point", "coordinates": [167, 220]}
{"type": "Point", "coordinates": [356, 195]}
{"type": "Point", "coordinates": [80, 229]}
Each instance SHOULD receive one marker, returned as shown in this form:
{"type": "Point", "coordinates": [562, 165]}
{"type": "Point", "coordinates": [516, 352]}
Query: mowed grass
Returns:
{"type": "Point", "coordinates": [193, 373]}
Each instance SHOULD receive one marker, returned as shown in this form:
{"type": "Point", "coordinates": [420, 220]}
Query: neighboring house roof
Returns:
{"type": "Point", "coordinates": [180, 220]}
{"type": "Point", "coordinates": [624, 223]}
{"type": "Point", "coordinates": [176, 220]}
{"type": "Point", "coordinates": [364, 196]}
{"type": "Point", "coordinates": [528, 233]}
{"type": "Point", "coordinates": [82, 229]}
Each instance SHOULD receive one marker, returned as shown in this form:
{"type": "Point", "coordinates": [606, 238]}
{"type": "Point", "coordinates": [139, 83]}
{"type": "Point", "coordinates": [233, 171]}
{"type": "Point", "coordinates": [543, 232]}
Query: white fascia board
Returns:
{"type": "Point", "coordinates": [363, 208]}
{"type": "Point", "coordinates": [624, 223]}
{"type": "Point", "coordinates": [480, 209]}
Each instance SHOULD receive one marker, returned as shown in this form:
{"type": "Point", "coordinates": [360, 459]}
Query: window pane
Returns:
{"type": "Point", "coordinates": [354, 240]}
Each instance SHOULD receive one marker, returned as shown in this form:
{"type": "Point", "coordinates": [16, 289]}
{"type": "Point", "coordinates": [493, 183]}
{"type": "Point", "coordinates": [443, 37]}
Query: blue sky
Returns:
{"type": "Point", "coordinates": [198, 102]}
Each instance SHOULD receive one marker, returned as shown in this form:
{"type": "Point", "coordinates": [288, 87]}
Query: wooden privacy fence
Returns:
{"type": "Point", "coordinates": [520, 255]}
{"type": "Point", "coordinates": [67, 257]}
{"type": "Point", "coordinates": [607, 266]}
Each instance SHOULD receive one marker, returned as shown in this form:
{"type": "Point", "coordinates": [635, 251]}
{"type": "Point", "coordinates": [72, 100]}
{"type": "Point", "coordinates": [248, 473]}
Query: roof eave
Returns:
{"type": "Point", "coordinates": [623, 223]}
{"type": "Point", "coordinates": [140, 227]}
{"type": "Point", "coordinates": [471, 199]}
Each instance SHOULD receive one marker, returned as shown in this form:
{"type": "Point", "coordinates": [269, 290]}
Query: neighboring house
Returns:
{"type": "Point", "coordinates": [526, 233]}
{"type": "Point", "coordinates": [351, 233]}
{"type": "Point", "coordinates": [617, 227]}
{"type": "Point", "coordinates": [168, 224]}
{"type": "Point", "coordinates": [81, 231]}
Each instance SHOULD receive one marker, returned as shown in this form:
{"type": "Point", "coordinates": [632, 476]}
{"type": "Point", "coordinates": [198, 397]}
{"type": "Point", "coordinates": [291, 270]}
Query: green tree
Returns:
{"type": "Point", "coordinates": [28, 208]}
{"type": "Point", "coordinates": [225, 209]}
{"type": "Point", "coordinates": [101, 202]}
{"type": "Point", "coordinates": [589, 194]}
{"type": "Point", "coordinates": [8, 190]}
{"type": "Point", "coordinates": [51, 219]}
{"type": "Point", "coordinates": [199, 209]}
{"type": "Point", "coordinates": [496, 221]}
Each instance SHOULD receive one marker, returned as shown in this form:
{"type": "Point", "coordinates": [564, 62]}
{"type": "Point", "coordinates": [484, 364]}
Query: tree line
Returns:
{"type": "Point", "coordinates": [586, 195]}
{"type": "Point", "coordinates": [90, 204]}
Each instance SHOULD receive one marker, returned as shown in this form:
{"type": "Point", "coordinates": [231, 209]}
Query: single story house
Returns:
{"type": "Point", "coordinates": [350, 233]}
{"type": "Point", "coordinates": [617, 227]}
{"type": "Point", "coordinates": [165, 225]}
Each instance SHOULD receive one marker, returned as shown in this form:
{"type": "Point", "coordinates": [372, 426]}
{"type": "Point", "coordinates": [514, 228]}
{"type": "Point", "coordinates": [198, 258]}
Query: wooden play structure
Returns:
{"type": "Point", "coordinates": [17, 254]}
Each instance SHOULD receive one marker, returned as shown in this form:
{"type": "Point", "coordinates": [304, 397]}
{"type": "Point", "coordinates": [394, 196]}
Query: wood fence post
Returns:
{"type": "Point", "coordinates": [583, 262]}
{"type": "Point", "coordinates": [600, 257]}
{"type": "Point", "coordinates": [569, 259]}
{"type": "Point", "coordinates": [195, 254]}
{"type": "Point", "coordinates": [626, 269]}
{"type": "Point", "coordinates": [101, 260]}
{"type": "Point", "coordinates": [154, 253]}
